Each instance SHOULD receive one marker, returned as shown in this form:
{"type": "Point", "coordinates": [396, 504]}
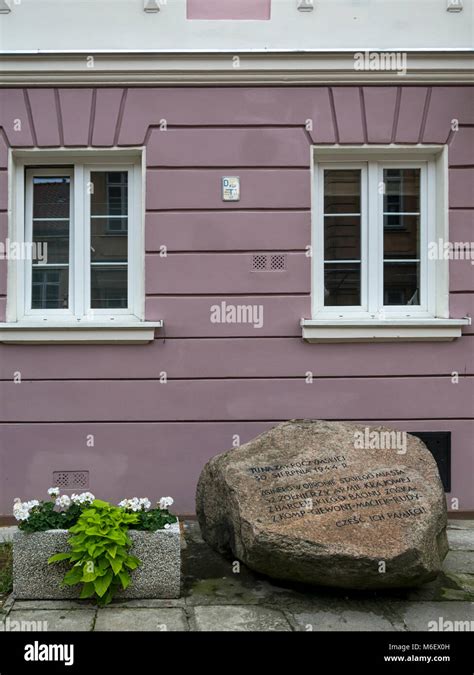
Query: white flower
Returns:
{"type": "Point", "coordinates": [21, 510]}
{"type": "Point", "coordinates": [167, 526]}
{"type": "Point", "coordinates": [165, 502]}
{"type": "Point", "coordinates": [63, 502]}
{"type": "Point", "coordinates": [135, 504]}
{"type": "Point", "coordinates": [54, 491]}
{"type": "Point", "coordinates": [82, 498]}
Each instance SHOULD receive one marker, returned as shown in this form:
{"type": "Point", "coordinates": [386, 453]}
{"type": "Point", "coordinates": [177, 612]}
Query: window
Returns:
{"type": "Point", "coordinates": [374, 217]}
{"type": "Point", "coordinates": [375, 211]}
{"type": "Point", "coordinates": [81, 220]}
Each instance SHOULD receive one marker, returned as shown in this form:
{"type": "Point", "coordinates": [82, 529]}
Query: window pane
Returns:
{"type": "Point", "coordinates": [342, 238]}
{"type": "Point", "coordinates": [51, 197]}
{"type": "Point", "coordinates": [52, 240]}
{"type": "Point", "coordinates": [109, 287]}
{"type": "Point", "coordinates": [402, 190]}
{"type": "Point", "coordinates": [49, 287]}
{"type": "Point", "coordinates": [342, 191]}
{"type": "Point", "coordinates": [342, 284]}
{"type": "Point", "coordinates": [50, 234]}
{"type": "Point", "coordinates": [109, 239]}
{"type": "Point", "coordinates": [110, 193]}
{"type": "Point", "coordinates": [402, 237]}
{"type": "Point", "coordinates": [401, 283]}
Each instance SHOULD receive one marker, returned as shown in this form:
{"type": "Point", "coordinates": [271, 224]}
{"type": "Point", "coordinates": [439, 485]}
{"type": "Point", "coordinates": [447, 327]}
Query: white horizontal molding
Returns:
{"type": "Point", "coordinates": [387, 330]}
{"type": "Point", "coordinates": [36, 332]}
{"type": "Point", "coordinates": [197, 67]}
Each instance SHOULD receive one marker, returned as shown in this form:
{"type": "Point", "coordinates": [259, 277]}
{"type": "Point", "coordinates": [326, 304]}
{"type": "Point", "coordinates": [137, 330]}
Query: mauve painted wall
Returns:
{"type": "Point", "coordinates": [227, 379]}
{"type": "Point", "coordinates": [229, 9]}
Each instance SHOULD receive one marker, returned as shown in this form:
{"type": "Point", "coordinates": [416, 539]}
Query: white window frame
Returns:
{"type": "Point", "coordinates": [372, 321]}
{"type": "Point", "coordinates": [25, 296]}
{"type": "Point", "coordinates": [79, 322]}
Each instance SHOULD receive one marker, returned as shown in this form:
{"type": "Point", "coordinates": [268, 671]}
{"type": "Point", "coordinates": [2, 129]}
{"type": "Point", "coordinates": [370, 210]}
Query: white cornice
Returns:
{"type": "Point", "coordinates": [208, 68]}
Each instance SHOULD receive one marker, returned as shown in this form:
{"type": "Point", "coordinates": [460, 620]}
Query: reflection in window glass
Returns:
{"type": "Point", "coordinates": [109, 239]}
{"type": "Point", "coordinates": [401, 221]}
{"type": "Point", "coordinates": [50, 234]}
{"type": "Point", "coordinates": [342, 239]}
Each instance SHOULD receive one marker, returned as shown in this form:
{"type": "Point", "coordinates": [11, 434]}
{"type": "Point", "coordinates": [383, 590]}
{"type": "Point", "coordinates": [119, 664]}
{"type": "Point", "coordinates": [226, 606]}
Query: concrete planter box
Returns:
{"type": "Point", "coordinates": [158, 576]}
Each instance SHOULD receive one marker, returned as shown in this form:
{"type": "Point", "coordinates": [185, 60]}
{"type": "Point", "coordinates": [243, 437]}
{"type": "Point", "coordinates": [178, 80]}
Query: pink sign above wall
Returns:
{"type": "Point", "coordinates": [229, 9]}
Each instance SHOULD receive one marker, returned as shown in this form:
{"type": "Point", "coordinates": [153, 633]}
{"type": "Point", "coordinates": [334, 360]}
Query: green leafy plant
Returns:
{"type": "Point", "coordinates": [99, 553]}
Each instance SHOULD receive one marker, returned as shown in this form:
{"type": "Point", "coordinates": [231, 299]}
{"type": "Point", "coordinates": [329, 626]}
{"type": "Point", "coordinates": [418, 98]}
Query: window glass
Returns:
{"type": "Point", "coordinates": [342, 237]}
{"type": "Point", "coordinates": [51, 232]}
{"type": "Point", "coordinates": [109, 239]}
{"type": "Point", "coordinates": [401, 221]}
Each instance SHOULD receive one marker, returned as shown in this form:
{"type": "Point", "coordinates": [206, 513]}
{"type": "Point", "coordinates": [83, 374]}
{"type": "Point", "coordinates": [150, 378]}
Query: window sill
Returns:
{"type": "Point", "coordinates": [89, 332]}
{"type": "Point", "coordinates": [387, 330]}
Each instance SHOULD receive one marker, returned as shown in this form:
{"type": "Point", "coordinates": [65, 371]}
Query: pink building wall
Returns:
{"type": "Point", "coordinates": [229, 9]}
{"type": "Point", "coordinates": [227, 380]}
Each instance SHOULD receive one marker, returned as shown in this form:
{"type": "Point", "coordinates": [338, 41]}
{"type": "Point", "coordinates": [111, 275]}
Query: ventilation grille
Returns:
{"type": "Point", "coordinates": [71, 480]}
{"type": "Point", "coordinates": [269, 263]}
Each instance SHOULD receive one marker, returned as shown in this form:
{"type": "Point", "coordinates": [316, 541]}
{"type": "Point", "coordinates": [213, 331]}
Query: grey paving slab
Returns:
{"type": "Point", "coordinates": [461, 540]}
{"type": "Point", "coordinates": [6, 533]}
{"type": "Point", "coordinates": [458, 524]}
{"type": "Point", "coordinates": [326, 620]}
{"type": "Point", "coordinates": [459, 562]}
{"type": "Point", "coordinates": [436, 616]}
{"type": "Point", "coordinates": [153, 603]}
{"type": "Point", "coordinates": [141, 619]}
{"type": "Point", "coordinates": [234, 618]}
{"type": "Point", "coordinates": [42, 605]}
{"type": "Point", "coordinates": [52, 620]}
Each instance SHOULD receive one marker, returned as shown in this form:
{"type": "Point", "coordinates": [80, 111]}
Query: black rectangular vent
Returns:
{"type": "Point", "coordinates": [439, 444]}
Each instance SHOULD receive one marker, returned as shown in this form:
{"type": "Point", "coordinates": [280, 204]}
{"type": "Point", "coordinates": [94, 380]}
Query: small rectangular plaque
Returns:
{"type": "Point", "coordinates": [230, 188]}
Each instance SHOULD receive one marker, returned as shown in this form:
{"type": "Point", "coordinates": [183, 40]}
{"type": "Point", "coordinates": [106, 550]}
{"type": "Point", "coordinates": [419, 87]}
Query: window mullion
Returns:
{"type": "Point", "coordinates": [78, 240]}
{"type": "Point", "coordinates": [375, 240]}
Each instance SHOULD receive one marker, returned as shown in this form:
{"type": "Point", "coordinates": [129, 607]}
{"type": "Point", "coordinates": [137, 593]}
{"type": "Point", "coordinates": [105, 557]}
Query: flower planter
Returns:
{"type": "Point", "coordinates": [157, 577]}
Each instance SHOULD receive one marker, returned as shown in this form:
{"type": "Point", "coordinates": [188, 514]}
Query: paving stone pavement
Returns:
{"type": "Point", "coordinates": [218, 596]}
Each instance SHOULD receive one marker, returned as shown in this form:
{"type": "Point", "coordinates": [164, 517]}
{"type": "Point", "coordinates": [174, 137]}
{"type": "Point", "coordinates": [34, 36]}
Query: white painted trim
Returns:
{"type": "Point", "coordinates": [426, 330]}
{"type": "Point", "coordinates": [257, 67]}
{"type": "Point", "coordinates": [4, 7]}
{"type": "Point", "coordinates": [89, 332]}
{"type": "Point", "coordinates": [433, 162]}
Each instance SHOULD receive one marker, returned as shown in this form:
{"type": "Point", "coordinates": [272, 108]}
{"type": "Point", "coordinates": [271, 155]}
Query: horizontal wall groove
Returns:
{"type": "Point", "coordinates": [232, 208]}
{"type": "Point", "coordinates": [227, 167]}
{"type": "Point", "coordinates": [239, 378]}
{"type": "Point", "coordinates": [230, 295]}
{"type": "Point", "coordinates": [221, 251]}
{"type": "Point", "coordinates": [238, 421]}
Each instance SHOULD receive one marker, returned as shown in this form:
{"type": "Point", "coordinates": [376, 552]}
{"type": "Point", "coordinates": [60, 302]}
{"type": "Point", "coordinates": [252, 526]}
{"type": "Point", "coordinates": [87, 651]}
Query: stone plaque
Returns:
{"type": "Point", "coordinates": [328, 503]}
